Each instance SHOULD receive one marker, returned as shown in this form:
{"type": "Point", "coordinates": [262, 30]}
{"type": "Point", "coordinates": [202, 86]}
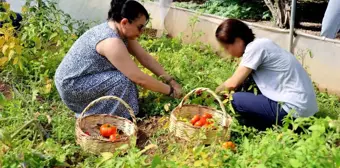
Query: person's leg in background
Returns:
{"type": "Point", "coordinates": [257, 110]}
{"type": "Point", "coordinates": [16, 21]}
{"type": "Point", "coordinates": [331, 20]}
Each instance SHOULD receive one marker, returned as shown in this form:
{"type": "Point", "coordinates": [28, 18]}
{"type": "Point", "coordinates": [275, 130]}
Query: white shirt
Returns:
{"type": "Point", "coordinates": [280, 77]}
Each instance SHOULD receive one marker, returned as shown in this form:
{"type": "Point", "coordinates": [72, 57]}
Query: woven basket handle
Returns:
{"type": "Point", "coordinates": [207, 90]}
{"type": "Point", "coordinates": [132, 114]}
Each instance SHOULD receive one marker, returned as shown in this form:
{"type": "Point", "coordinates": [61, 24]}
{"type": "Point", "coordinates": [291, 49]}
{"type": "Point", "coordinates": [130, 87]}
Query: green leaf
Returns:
{"type": "Point", "coordinates": [53, 35]}
{"type": "Point", "coordinates": [62, 157]}
{"type": "Point", "coordinates": [255, 91]}
{"type": "Point", "coordinates": [11, 54]}
{"type": "Point", "coordinates": [198, 163]}
{"type": "Point", "coordinates": [5, 137]}
{"type": "Point", "coordinates": [261, 166]}
{"type": "Point", "coordinates": [34, 94]}
{"type": "Point", "coordinates": [317, 128]}
{"type": "Point", "coordinates": [37, 42]}
{"type": "Point", "coordinates": [106, 155]}
{"type": "Point", "coordinates": [231, 108]}
{"type": "Point", "coordinates": [4, 49]}
{"type": "Point", "coordinates": [295, 163]}
{"type": "Point", "coordinates": [3, 61]}
{"type": "Point", "coordinates": [156, 161]}
{"type": "Point", "coordinates": [2, 99]}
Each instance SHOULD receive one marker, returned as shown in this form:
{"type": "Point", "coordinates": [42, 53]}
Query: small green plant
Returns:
{"type": "Point", "coordinates": [230, 8]}
{"type": "Point", "coordinates": [33, 53]}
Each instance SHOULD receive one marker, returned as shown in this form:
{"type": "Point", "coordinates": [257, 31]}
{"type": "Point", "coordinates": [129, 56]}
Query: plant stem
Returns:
{"type": "Point", "coordinates": [23, 127]}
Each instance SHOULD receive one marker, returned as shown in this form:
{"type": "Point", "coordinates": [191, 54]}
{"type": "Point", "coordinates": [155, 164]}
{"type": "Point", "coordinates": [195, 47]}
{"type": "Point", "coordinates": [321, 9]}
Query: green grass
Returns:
{"type": "Point", "coordinates": [194, 66]}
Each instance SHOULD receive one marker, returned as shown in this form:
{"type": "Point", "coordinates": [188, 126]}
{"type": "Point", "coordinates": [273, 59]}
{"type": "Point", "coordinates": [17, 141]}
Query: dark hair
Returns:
{"type": "Point", "coordinates": [230, 29]}
{"type": "Point", "coordinates": [128, 9]}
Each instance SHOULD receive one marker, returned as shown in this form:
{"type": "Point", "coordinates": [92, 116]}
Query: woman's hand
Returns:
{"type": "Point", "coordinates": [177, 89]}
{"type": "Point", "coordinates": [221, 88]}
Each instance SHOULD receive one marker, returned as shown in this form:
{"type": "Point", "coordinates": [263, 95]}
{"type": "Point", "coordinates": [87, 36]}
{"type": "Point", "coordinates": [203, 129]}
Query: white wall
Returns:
{"type": "Point", "coordinates": [16, 5]}
{"type": "Point", "coordinates": [94, 10]}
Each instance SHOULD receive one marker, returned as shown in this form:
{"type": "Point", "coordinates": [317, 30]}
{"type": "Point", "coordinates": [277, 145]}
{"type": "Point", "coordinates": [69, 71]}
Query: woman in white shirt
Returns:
{"type": "Point", "coordinates": [283, 83]}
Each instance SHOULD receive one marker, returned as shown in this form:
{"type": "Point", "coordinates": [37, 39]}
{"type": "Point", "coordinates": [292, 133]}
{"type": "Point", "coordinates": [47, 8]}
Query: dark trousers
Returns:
{"type": "Point", "coordinates": [256, 111]}
{"type": "Point", "coordinates": [15, 20]}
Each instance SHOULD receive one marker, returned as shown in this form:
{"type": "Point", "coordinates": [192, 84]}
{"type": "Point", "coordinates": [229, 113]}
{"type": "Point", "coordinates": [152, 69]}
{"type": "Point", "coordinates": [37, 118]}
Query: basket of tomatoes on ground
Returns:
{"type": "Point", "coordinates": [188, 121]}
{"type": "Point", "coordinates": [100, 133]}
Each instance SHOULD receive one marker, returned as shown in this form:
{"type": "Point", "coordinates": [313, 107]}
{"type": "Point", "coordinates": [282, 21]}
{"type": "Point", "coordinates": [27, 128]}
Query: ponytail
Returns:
{"type": "Point", "coordinates": [128, 9]}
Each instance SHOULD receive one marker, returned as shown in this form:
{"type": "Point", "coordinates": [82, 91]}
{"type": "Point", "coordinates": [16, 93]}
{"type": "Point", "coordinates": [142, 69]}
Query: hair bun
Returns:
{"type": "Point", "coordinates": [129, 9]}
{"type": "Point", "coordinates": [116, 8]}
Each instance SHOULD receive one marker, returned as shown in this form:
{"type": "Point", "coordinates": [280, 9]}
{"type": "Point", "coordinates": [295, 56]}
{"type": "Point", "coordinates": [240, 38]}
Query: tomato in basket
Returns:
{"type": "Point", "coordinates": [195, 119]}
{"type": "Point", "coordinates": [207, 115]}
{"type": "Point", "coordinates": [199, 124]}
{"type": "Point", "coordinates": [204, 120]}
{"type": "Point", "coordinates": [106, 130]}
{"type": "Point", "coordinates": [114, 137]}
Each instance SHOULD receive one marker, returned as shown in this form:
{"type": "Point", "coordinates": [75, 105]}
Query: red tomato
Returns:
{"type": "Point", "coordinates": [229, 145]}
{"type": "Point", "coordinates": [203, 121]}
{"type": "Point", "coordinates": [87, 133]}
{"type": "Point", "coordinates": [106, 130]}
{"type": "Point", "coordinates": [199, 124]}
{"type": "Point", "coordinates": [207, 115]}
{"type": "Point", "coordinates": [113, 137]}
{"type": "Point", "coordinates": [195, 119]}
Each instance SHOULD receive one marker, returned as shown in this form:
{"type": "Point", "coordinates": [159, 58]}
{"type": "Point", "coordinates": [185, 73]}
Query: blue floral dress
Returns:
{"type": "Point", "coordinates": [84, 75]}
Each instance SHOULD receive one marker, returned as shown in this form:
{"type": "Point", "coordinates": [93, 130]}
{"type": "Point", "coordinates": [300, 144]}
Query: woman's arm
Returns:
{"type": "Point", "coordinates": [146, 60]}
{"type": "Point", "coordinates": [236, 80]}
{"type": "Point", "coordinates": [120, 58]}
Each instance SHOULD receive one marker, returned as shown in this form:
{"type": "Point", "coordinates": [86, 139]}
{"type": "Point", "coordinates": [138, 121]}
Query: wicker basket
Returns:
{"type": "Point", "coordinates": [95, 143]}
{"type": "Point", "coordinates": [188, 132]}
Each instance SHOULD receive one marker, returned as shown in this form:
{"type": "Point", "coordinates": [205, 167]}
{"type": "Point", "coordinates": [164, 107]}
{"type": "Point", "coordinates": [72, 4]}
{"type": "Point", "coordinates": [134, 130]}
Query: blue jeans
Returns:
{"type": "Point", "coordinates": [256, 111]}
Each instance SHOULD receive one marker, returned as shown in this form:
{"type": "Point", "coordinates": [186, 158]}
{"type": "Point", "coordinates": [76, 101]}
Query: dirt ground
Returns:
{"type": "Point", "coordinates": [5, 89]}
{"type": "Point", "coordinates": [152, 128]}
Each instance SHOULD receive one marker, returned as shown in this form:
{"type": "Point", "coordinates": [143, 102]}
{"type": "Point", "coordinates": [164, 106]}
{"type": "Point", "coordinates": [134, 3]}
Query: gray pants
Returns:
{"type": "Point", "coordinates": [331, 19]}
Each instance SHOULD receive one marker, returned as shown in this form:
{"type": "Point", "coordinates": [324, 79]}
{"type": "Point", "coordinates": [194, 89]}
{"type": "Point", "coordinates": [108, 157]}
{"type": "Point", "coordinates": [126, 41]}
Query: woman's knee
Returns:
{"type": "Point", "coordinates": [238, 101]}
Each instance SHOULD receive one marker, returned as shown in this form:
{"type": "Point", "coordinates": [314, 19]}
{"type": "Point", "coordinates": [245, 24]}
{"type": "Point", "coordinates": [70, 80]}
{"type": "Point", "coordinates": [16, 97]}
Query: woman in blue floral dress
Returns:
{"type": "Point", "coordinates": [99, 64]}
